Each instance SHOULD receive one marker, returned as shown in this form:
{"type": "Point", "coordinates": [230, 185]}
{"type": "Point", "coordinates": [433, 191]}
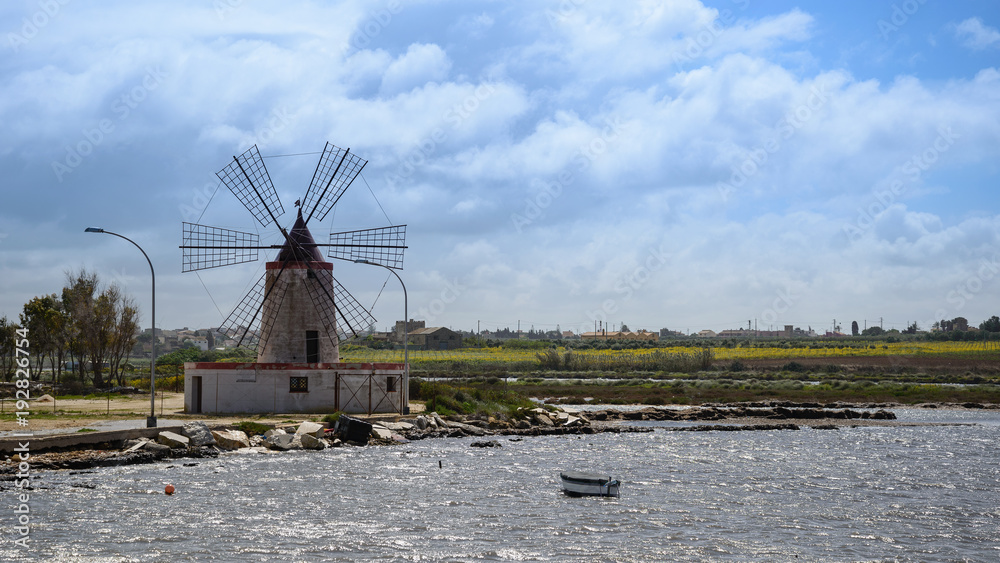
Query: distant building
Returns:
{"type": "Point", "coordinates": [616, 335]}
{"type": "Point", "coordinates": [435, 338]}
{"type": "Point", "coordinates": [399, 330]}
{"type": "Point", "coordinates": [707, 333]}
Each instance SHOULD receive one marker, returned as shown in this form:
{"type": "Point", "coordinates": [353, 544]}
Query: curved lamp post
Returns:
{"type": "Point", "coordinates": [406, 332]}
{"type": "Point", "coordinates": [151, 419]}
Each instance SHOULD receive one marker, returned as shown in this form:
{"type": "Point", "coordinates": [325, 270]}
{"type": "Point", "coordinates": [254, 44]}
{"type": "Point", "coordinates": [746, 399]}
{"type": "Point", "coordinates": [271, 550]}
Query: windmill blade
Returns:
{"type": "Point", "coordinates": [383, 246]}
{"type": "Point", "coordinates": [249, 181]}
{"type": "Point", "coordinates": [332, 300]}
{"type": "Point", "coordinates": [334, 173]}
{"type": "Point", "coordinates": [241, 324]}
{"type": "Point", "coordinates": [210, 247]}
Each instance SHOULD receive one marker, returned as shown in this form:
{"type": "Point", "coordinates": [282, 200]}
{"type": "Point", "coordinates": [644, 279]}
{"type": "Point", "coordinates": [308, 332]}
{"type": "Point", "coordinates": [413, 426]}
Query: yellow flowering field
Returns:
{"type": "Point", "coordinates": [514, 359]}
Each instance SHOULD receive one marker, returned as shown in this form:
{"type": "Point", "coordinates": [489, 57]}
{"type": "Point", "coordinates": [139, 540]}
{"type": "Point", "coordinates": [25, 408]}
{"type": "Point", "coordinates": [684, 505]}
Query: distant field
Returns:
{"type": "Point", "coordinates": [689, 358]}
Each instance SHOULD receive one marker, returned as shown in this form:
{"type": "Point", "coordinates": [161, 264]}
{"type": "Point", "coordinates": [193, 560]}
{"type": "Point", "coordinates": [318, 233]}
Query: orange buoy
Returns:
{"type": "Point", "coordinates": [169, 489]}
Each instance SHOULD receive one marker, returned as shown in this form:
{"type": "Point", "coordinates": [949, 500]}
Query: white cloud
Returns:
{"type": "Point", "coordinates": [974, 34]}
{"type": "Point", "coordinates": [421, 64]}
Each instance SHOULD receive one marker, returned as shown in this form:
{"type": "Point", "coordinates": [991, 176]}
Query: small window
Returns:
{"type": "Point", "coordinates": [390, 384]}
{"type": "Point", "coordinates": [312, 346]}
{"type": "Point", "coordinates": [298, 385]}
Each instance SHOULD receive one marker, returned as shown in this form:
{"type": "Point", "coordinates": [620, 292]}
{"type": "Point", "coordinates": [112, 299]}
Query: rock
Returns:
{"type": "Point", "coordinates": [311, 442]}
{"type": "Point", "coordinates": [438, 421]}
{"type": "Point", "coordinates": [231, 439]}
{"type": "Point", "coordinates": [381, 432]}
{"type": "Point", "coordinates": [544, 420]}
{"type": "Point", "coordinates": [155, 447]}
{"type": "Point", "coordinates": [274, 432]}
{"type": "Point", "coordinates": [173, 440]}
{"type": "Point", "coordinates": [421, 422]}
{"type": "Point", "coordinates": [315, 429]}
{"type": "Point", "coordinates": [45, 399]}
{"type": "Point", "coordinates": [198, 433]}
{"type": "Point", "coordinates": [486, 444]}
{"type": "Point", "coordinates": [468, 428]}
{"type": "Point", "coordinates": [522, 425]}
{"type": "Point", "coordinates": [400, 426]}
{"type": "Point", "coordinates": [283, 442]}
{"type": "Point", "coordinates": [573, 421]}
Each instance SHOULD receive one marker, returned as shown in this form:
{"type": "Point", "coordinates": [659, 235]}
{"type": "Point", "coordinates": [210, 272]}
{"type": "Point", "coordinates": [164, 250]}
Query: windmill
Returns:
{"type": "Point", "coordinates": [297, 312]}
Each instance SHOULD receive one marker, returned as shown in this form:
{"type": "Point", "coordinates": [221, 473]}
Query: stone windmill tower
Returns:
{"type": "Point", "coordinates": [297, 312]}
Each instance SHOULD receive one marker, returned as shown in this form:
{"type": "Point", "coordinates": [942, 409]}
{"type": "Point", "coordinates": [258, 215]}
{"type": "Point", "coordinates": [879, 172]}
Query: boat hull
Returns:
{"type": "Point", "coordinates": [579, 484]}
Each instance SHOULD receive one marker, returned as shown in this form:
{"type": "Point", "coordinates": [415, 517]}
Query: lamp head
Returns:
{"type": "Point", "coordinates": [93, 230]}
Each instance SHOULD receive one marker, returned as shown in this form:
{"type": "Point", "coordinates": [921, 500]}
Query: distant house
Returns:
{"type": "Point", "coordinates": [435, 338]}
{"type": "Point", "coordinates": [401, 327]}
{"type": "Point", "coordinates": [707, 333]}
{"type": "Point", "coordinates": [615, 335]}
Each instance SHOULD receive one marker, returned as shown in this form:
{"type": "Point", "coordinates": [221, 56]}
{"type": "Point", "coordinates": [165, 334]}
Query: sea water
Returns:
{"type": "Point", "coordinates": [903, 493]}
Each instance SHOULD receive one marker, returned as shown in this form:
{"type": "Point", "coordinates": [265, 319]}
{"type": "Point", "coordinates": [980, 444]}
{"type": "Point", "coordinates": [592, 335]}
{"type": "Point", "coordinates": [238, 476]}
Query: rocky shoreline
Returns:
{"type": "Point", "coordinates": [197, 440]}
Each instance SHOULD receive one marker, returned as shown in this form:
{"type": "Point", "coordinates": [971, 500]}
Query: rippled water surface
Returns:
{"type": "Point", "coordinates": [924, 493]}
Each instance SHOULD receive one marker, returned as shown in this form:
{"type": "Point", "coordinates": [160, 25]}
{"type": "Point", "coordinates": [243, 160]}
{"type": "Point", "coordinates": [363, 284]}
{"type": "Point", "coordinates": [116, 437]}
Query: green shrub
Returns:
{"type": "Point", "coordinates": [252, 428]}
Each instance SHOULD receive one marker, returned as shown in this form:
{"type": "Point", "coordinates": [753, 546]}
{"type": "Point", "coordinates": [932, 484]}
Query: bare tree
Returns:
{"type": "Point", "coordinates": [124, 335]}
{"type": "Point", "coordinates": [78, 301]}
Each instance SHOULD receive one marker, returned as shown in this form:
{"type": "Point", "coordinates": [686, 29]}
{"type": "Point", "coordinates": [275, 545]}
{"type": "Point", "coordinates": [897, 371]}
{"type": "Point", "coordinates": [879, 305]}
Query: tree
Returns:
{"type": "Point", "coordinates": [625, 328]}
{"type": "Point", "coordinates": [102, 325]}
{"type": "Point", "coordinates": [124, 335]}
{"type": "Point", "coordinates": [960, 323]}
{"type": "Point", "coordinates": [8, 347]}
{"type": "Point", "coordinates": [211, 339]}
{"type": "Point", "coordinates": [78, 302]}
{"type": "Point", "coordinates": [911, 329]}
{"type": "Point", "coordinates": [991, 325]}
{"type": "Point", "coordinates": [854, 328]}
{"type": "Point", "coordinates": [33, 317]}
{"type": "Point", "coordinates": [873, 331]}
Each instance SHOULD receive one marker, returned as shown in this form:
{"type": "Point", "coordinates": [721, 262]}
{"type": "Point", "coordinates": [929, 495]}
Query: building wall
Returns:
{"type": "Point", "coordinates": [293, 312]}
{"type": "Point", "coordinates": [266, 388]}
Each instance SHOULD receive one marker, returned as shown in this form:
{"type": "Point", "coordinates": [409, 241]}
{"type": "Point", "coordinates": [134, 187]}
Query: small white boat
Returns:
{"type": "Point", "coordinates": [578, 483]}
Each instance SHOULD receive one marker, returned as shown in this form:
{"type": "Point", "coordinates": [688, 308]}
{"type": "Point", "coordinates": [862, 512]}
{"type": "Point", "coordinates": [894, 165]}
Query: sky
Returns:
{"type": "Point", "coordinates": [559, 164]}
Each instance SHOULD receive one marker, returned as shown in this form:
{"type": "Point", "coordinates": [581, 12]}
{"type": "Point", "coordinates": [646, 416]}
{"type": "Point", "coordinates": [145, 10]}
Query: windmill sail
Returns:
{"type": "Point", "coordinates": [210, 247]}
{"type": "Point", "coordinates": [381, 246]}
{"type": "Point", "coordinates": [247, 177]}
{"type": "Point", "coordinates": [334, 173]}
{"type": "Point", "coordinates": [241, 325]}
{"type": "Point", "coordinates": [352, 314]}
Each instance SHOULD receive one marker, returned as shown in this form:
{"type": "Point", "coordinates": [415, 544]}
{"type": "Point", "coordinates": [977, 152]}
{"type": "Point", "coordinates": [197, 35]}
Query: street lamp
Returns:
{"type": "Point", "coordinates": [151, 419]}
{"type": "Point", "coordinates": [406, 331]}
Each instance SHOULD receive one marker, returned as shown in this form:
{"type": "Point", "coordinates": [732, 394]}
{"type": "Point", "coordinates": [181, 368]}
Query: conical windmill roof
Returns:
{"type": "Point", "coordinates": [300, 245]}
